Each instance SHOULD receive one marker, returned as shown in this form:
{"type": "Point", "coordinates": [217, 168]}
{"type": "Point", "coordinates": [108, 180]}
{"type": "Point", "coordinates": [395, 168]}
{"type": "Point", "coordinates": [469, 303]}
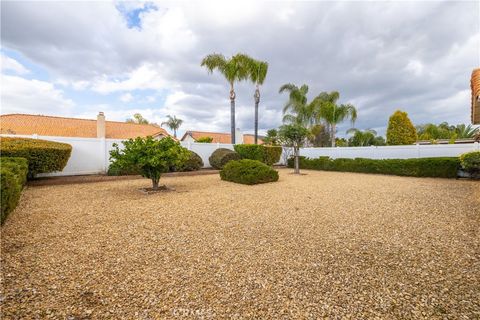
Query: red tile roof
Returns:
{"type": "Point", "coordinates": [221, 137]}
{"type": "Point", "coordinates": [28, 124]}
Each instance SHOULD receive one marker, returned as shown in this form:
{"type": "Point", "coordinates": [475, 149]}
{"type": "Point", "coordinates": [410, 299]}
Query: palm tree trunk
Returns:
{"type": "Point", "coordinates": [296, 164]}
{"type": "Point", "coordinates": [232, 114]}
{"type": "Point", "coordinates": [333, 134]}
{"type": "Point", "coordinates": [257, 101]}
{"type": "Point", "coordinates": [175, 133]}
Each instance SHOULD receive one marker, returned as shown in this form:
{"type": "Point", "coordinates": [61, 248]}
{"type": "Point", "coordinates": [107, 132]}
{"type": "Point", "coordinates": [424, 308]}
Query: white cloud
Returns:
{"type": "Point", "coordinates": [127, 97]}
{"type": "Point", "coordinates": [9, 64]}
{"type": "Point", "coordinates": [20, 95]}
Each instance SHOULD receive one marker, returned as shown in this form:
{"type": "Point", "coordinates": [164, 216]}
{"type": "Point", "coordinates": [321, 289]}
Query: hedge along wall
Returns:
{"type": "Point", "coordinates": [418, 167]}
{"type": "Point", "coordinates": [42, 155]}
{"type": "Point", "coordinates": [266, 154]}
{"type": "Point", "coordinates": [13, 175]}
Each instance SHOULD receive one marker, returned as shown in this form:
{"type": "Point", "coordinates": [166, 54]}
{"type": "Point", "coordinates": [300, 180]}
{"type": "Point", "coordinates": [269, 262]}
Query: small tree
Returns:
{"type": "Point", "coordinates": [151, 157]}
{"type": "Point", "coordinates": [138, 118]}
{"type": "Point", "coordinates": [294, 135]}
{"type": "Point", "coordinates": [400, 129]}
{"type": "Point", "coordinates": [271, 138]}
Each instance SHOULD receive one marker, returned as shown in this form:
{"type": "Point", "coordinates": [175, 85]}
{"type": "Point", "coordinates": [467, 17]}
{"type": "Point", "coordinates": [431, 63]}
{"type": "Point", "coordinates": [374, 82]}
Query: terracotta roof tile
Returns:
{"type": "Point", "coordinates": [475, 86]}
{"type": "Point", "coordinates": [219, 137]}
{"type": "Point", "coordinates": [28, 124]}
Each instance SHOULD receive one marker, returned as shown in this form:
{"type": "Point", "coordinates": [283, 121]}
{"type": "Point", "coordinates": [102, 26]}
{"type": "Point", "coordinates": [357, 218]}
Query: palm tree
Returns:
{"type": "Point", "coordinates": [326, 108]}
{"type": "Point", "coordinates": [233, 69]}
{"type": "Point", "coordinates": [362, 138]}
{"type": "Point", "coordinates": [257, 73]}
{"type": "Point", "coordinates": [466, 131]}
{"type": "Point", "coordinates": [297, 110]}
{"type": "Point", "coordinates": [173, 123]}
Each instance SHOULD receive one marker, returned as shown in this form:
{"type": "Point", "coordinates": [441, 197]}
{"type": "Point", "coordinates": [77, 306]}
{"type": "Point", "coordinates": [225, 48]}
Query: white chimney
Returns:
{"type": "Point", "coordinates": [238, 136]}
{"type": "Point", "coordinates": [100, 125]}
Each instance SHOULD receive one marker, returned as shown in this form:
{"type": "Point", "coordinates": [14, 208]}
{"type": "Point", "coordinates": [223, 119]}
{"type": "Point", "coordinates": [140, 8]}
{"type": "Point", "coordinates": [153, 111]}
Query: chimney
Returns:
{"type": "Point", "coordinates": [101, 125]}
{"type": "Point", "coordinates": [238, 136]}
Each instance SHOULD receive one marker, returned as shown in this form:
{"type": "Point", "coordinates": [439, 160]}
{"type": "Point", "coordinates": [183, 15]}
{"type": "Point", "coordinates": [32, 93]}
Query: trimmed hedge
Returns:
{"type": "Point", "coordinates": [13, 175]}
{"type": "Point", "coordinates": [266, 154]}
{"type": "Point", "coordinates": [221, 156]}
{"type": "Point", "coordinates": [470, 162]}
{"type": "Point", "coordinates": [42, 155]}
{"type": "Point", "coordinates": [193, 163]}
{"type": "Point", "coordinates": [418, 167]}
{"type": "Point", "coordinates": [248, 171]}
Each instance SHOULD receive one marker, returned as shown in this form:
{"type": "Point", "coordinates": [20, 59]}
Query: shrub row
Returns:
{"type": "Point", "coordinates": [221, 156]}
{"type": "Point", "coordinates": [470, 162]}
{"type": "Point", "coordinates": [42, 155]}
{"type": "Point", "coordinates": [266, 154]}
{"type": "Point", "coordinates": [418, 167]}
{"type": "Point", "coordinates": [248, 171]}
{"type": "Point", "coordinates": [13, 175]}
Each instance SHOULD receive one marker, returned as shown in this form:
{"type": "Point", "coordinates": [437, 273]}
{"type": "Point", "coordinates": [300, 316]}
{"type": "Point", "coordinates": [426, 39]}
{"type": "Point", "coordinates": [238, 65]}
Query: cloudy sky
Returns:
{"type": "Point", "coordinates": [75, 59]}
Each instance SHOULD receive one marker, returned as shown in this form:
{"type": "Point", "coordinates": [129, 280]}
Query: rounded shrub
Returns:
{"type": "Point", "coordinates": [250, 151]}
{"type": "Point", "coordinates": [249, 172]}
{"type": "Point", "coordinates": [221, 156]}
{"type": "Point", "coordinates": [42, 155]}
{"type": "Point", "coordinates": [13, 175]}
{"type": "Point", "coordinates": [272, 154]}
{"type": "Point", "coordinates": [193, 163]}
{"type": "Point", "coordinates": [470, 162]}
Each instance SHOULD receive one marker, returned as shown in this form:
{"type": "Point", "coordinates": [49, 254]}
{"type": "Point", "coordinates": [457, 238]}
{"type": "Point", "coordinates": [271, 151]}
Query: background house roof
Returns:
{"type": "Point", "coordinates": [475, 85]}
{"type": "Point", "coordinates": [219, 137]}
{"type": "Point", "coordinates": [28, 124]}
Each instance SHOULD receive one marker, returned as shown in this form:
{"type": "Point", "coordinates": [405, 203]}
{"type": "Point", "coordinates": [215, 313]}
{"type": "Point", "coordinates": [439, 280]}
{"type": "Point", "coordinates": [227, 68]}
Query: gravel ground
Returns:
{"type": "Point", "coordinates": [325, 244]}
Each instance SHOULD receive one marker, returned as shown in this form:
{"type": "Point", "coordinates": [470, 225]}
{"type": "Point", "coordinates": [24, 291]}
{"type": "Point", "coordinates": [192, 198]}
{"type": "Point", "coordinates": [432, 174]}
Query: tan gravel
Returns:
{"type": "Point", "coordinates": [325, 244]}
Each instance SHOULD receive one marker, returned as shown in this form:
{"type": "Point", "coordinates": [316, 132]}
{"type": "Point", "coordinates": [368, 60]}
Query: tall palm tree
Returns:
{"type": "Point", "coordinates": [297, 110]}
{"type": "Point", "coordinates": [233, 69]}
{"type": "Point", "coordinates": [173, 123]}
{"type": "Point", "coordinates": [326, 108]}
{"type": "Point", "coordinates": [257, 73]}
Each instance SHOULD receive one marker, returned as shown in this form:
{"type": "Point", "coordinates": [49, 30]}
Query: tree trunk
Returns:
{"type": "Point", "coordinates": [297, 162]}
{"type": "Point", "coordinates": [333, 134]}
{"type": "Point", "coordinates": [155, 183]}
{"type": "Point", "coordinates": [232, 114]}
{"type": "Point", "coordinates": [257, 101]}
{"type": "Point", "coordinates": [175, 133]}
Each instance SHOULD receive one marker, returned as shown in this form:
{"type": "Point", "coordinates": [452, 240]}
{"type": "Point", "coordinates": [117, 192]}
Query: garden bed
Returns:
{"type": "Point", "coordinates": [325, 244]}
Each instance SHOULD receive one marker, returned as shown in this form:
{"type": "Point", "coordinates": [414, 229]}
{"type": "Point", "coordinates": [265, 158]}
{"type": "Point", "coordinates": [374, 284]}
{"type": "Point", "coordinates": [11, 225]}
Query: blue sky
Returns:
{"type": "Point", "coordinates": [76, 59]}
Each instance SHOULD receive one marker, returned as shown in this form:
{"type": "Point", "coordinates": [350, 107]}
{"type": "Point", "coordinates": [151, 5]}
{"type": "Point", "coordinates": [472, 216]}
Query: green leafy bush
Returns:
{"type": "Point", "coordinates": [272, 154]}
{"type": "Point", "coordinates": [42, 155]}
{"type": "Point", "coordinates": [152, 157]}
{"type": "Point", "coordinates": [470, 162]}
{"type": "Point", "coordinates": [221, 156]}
{"type": "Point", "coordinates": [418, 167]}
{"type": "Point", "coordinates": [248, 171]}
{"type": "Point", "coordinates": [266, 154]}
{"type": "Point", "coordinates": [13, 175]}
{"type": "Point", "coordinates": [204, 140]}
{"type": "Point", "coordinates": [193, 163]}
{"type": "Point", "coordinates": [250, 151]}
{"type": "Point", "coordinates": [116, 170]}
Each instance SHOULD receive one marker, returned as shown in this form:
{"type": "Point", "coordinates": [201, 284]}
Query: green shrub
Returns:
{"type": "Point", "coordinates": [418, 167]}
{"type": "Point", "coordinates": [204, 140]}
{"type": "Point", "coordinates": [13, 175]}
{"type": "Point", "coordinates": [250, 151]}
{"type": "Point", "coordinates": [42, 155]}
{"type": "Point", "coordinates": [221, 156]}
{"type": "Point", "coordinates": [272, 154]}
{"type": "Point", "coordinates": [116, 170]}
{"type": "Point", "coordinates": [470, 162]}
{"type": "Point", "coordinates": [248, 171]}
{"type": "Point", "coordinates": [266, 154]}
{"type": "Point", "coordinates": [193, 163]}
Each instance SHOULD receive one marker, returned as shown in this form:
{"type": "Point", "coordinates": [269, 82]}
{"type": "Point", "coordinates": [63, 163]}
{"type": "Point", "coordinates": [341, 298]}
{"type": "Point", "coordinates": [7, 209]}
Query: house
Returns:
{"type": "Point", "coordinates": [475, 86]}
{"type": "Point", "coordinates": [29, 124]}
{"type": "Point", "coordinates": [217, 137]}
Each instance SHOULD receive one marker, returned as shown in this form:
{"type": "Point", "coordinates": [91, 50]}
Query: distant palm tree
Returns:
{"type": "Point", "coordinates": [233, 69]}
{"type": "Point", "coordinates": [297, 110]}
{"type": "Point", "coordinates": [466, 131]}
{"type": "Point", "coordinates": [362, 138]}
{"type": "Point", "coordinates": [173, 123]}
{"type": "Point", "coordinates": [257, 73]}
{"type": "Point", "coordinates": [138, 118]}
{"type": "Point", "coordinates": [326, 108]}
